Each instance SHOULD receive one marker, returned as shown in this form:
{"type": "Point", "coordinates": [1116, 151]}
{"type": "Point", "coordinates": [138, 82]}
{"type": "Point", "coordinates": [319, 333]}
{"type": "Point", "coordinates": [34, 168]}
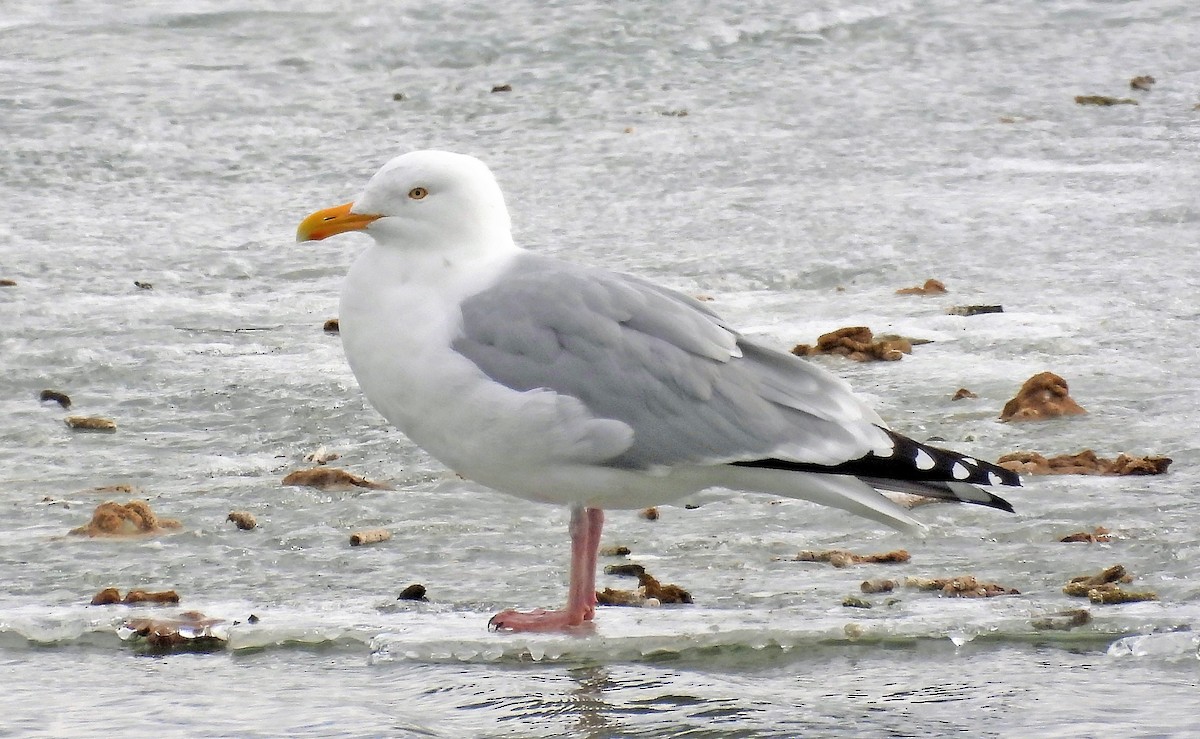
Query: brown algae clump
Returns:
{"type": "Point", "coordinates": [859, 344]}
{"type": "Point", "coordinates": [131, 519]}
{"type": "Point", "coordinates": [369, 536]}
{"type": "Point", "coordinates": [90, 423]}
{"type": "Point", "coordinates": [843, 558]}
{"type": "Point", "coordinates": [931, 287]}
{"type": "Point", "coordinates": [965, 586]}
{"type": "Point", "coordinates": [330, 478]}
{"type": "Point", "coordinates": [244, 520]}
{"type": "Point", "coordinates": [1045, 395]}
{"type": "Point", "coordinates": [1086, 462]}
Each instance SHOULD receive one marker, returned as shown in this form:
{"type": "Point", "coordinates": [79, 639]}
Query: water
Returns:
{"type": "Point", "coordinates": [848, 145]}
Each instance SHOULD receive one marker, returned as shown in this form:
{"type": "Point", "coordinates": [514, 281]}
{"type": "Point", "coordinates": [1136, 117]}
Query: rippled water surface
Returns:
{"type": "Point", "coordinates": [797, 166]}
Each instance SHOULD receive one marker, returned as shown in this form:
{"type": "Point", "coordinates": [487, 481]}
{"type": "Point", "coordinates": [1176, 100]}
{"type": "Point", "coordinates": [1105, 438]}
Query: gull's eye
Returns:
{"type": "Point", "coordinates": [417, 193]}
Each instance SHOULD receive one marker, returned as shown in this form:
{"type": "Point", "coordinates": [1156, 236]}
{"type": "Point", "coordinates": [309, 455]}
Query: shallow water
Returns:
{"type": "Point", "coordinates": [826, 158]}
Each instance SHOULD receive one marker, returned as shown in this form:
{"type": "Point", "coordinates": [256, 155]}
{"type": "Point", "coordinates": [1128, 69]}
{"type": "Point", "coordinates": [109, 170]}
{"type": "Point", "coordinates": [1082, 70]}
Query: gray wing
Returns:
{"type": "Point", "coordinates": [692, 390]}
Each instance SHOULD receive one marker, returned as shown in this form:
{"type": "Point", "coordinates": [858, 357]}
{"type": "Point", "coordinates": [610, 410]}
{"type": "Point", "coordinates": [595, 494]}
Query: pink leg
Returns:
{"type": "Point", "coordinates": [586, 524]}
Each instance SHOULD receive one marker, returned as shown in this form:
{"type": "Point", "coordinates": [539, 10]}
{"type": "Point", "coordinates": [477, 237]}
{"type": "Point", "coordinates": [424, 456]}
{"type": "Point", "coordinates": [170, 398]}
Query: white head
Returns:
{"type": "Point", "coordinates": [422, 200]}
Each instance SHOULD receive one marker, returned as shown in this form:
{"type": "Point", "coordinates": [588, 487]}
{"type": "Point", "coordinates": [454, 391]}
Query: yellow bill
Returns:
{"type": "Point", "coordinates": [333, 221]}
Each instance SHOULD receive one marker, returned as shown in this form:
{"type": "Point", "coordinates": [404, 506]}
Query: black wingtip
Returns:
{"type": "Point", "coordinates": [909, 461]}
{"type": "Point", "coordinates": [1000, 503]}
{"type": "Point", "coordinates": [935, 463]}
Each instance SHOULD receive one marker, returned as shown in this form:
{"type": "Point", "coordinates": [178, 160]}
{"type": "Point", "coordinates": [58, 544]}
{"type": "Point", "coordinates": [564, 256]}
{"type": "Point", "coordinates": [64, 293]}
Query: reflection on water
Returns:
{"type": "Point", "coordinates": [827, 692]}
{"type": "Point", "coordinates": [978, 689]}
{"type": "Point", "coordinates": [593, 715]}
{"type": "Point", "coordinates": [588, 701]}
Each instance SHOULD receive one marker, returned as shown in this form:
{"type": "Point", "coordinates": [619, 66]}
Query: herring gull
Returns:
{"type": "Point", "coordinates": [569, 384]}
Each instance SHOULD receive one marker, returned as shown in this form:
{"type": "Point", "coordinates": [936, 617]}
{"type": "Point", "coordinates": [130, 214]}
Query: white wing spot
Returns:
{"type": "Point", "coordinates": [959, 472]}
{"type": "Point", "coordinates": [972, 462]}
{"type": "Point", "coordinates": [924, 461]}
{"type": "Point", "coordinates": [994, 479]}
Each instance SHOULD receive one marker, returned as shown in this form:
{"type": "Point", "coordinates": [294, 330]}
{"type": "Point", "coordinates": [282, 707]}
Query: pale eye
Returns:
{"type": "Point", "coordinates": [417, 193]}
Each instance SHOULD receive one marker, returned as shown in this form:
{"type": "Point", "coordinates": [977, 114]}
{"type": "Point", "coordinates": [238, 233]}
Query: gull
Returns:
{"type": "Point", "coordinates": [573, 385]}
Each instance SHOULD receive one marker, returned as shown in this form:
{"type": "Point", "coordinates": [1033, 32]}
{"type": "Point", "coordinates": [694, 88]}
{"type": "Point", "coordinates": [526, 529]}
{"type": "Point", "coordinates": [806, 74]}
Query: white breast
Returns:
{"type": "Point", "coordinates": [399, 314]}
